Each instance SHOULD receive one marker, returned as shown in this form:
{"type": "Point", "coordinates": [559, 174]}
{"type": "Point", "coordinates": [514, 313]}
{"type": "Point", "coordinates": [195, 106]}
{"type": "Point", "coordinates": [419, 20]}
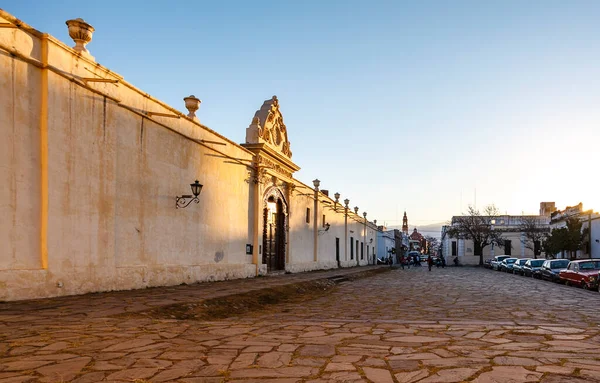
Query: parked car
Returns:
{"type": "Point", "coordinates": [507, 264]}
{"type": "Point", "coordinates": [532, 267]}
{"type": "Point", "coordinates": [518, 266]}
{"type": "Point", "coordinates": [495, 263]}
{"type": "Point", "coordinates": [552, 267]}
{"type": "Point", "coordinates": [582, 273]}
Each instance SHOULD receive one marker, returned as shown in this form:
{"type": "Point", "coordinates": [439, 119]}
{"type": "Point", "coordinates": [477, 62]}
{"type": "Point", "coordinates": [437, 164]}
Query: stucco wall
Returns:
{"type": "Point", "coordinates": [326, 237]}
{"type": "Point", "coordinates": [91, 179]}
{"type": "Point", "coordinates": [19, 157]}
{"type": "Point", "coordinates": [300, 232]}
{"type": "Point", "coordinates": [112, 177]}
{"type": "Point", "coordinates": [595, 238]}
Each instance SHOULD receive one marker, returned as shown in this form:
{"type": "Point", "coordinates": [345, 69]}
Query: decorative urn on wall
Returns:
{"type": "Point", "coordinates": [192, 104]}
{"type": "Point", "coordinates": [81, 32]}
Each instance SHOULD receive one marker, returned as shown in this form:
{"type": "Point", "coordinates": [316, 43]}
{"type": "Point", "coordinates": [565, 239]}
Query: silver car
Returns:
{"type": "Point", "coordinates": [495, 263]}
{"type": "Point", "coordinates": [507, 264]}
{"type": "Point", "coordinates": [518, 266]}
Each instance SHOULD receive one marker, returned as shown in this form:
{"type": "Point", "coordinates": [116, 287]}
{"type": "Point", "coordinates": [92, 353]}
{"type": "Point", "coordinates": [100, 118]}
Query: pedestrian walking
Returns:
{"type": "Point", "coordinates": [443, 261]}
{"type": "Point", "coordinates": [429, 262]}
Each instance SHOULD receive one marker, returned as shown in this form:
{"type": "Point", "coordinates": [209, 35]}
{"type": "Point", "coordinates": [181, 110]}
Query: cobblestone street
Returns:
{"type": "Point", "coordinates": [447, 325]}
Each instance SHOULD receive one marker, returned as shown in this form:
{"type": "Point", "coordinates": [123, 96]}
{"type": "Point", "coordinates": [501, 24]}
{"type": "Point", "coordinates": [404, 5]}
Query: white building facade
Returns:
{"type": "Point", "coordinates": [386, 241]}
{"type": "Point", "coordinates": [97, 177]}
{"type": "Point", "coordinates": [514, 241]}
{"type": "Point", "coordinates": [588, 218]}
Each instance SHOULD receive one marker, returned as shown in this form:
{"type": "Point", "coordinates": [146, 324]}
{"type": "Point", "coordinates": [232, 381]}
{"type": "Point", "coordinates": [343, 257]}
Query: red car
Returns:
{"type": "Point", "coordinates": [582, 273]}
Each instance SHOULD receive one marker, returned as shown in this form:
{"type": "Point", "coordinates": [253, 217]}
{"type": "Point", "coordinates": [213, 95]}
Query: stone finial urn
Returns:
{"type": "Point", "coordinates": [81, 32]}
{"type": "Point", "coordinates": [192, 104]}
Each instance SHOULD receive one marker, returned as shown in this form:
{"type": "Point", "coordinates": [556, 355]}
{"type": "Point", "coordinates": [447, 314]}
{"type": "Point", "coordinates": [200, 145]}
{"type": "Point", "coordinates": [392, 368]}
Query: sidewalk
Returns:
{"type": "Point", "coordinates": [104, 304]}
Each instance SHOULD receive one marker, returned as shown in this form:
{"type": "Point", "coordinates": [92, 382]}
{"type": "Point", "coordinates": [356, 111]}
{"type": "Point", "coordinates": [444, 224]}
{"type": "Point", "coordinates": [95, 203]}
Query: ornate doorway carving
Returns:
{"type": "Point", "coordinates": [274, 230]}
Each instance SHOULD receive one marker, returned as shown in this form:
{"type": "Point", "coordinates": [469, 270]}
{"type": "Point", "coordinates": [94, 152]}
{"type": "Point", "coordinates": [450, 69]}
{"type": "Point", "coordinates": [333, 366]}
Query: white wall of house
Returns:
{"type": "Point", "coordinates": [385, 243]}
{"type": "Point", "coordinates": [559, 220]}
{"type": "Point", "coordinates": [595, 234]}
{"type": "Point", "coordinates": [466, 249]}
{"type": "Point", "coordinates": [596, 237]}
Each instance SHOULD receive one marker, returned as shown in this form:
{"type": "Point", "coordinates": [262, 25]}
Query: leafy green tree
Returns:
{"type": "Point", "coordinates": [567, 239]}
{"type": "Point", "coordinates": [554, 244]}
{"type": "Point", "coordinates": [576, 237]}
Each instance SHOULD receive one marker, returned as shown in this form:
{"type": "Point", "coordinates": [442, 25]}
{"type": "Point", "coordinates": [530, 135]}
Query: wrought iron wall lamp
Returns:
{"type": "Point", "coordinates": [327, 226]}
{"type": "Point", "coordinates": [183, 201]}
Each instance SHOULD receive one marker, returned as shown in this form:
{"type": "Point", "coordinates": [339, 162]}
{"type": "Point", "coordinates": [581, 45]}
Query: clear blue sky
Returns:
{"type": "Point", "coordinates": [395, 104]}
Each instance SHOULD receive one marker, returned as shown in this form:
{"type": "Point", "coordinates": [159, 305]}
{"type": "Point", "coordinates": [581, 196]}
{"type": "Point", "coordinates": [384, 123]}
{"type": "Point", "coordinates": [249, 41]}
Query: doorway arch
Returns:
{"type": "Point", "coordinates": [275, 216]}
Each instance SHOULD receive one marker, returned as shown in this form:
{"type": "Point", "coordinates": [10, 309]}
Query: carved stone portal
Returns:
{"type": "Point", "coordinates": [267, 127]}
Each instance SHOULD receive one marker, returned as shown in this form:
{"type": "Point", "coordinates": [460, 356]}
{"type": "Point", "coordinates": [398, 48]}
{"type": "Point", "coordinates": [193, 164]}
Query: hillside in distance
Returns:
{"type": "Point", "coordinates": [432, 229]}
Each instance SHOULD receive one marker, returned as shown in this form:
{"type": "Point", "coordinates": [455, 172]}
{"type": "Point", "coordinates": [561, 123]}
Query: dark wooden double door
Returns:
{"type": "Point", "coordinates": [274, 237]}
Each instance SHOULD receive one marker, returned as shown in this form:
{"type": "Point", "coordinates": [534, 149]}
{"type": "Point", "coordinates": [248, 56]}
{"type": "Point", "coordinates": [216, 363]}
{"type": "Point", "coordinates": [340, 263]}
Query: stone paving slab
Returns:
{"type": "Point", "coordinates": [447, 325]}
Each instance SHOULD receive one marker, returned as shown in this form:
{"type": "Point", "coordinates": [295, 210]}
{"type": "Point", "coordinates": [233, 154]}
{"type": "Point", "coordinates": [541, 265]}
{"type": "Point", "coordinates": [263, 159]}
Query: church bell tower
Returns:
{"type": "Point", "coordinates": [405, 224]}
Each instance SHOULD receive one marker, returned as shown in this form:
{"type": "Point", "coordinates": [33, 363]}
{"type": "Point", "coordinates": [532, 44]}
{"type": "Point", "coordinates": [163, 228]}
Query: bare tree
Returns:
{"type": "Point", "coordinates": [477, 227]}
{"type": "Point", "coordinates": [535, 234]}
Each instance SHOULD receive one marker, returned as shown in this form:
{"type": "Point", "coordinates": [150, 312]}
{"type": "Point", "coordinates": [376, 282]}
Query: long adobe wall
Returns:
{"type": "Point", "coordinates": [91, 170]}
{"type": "Point", "coordinates": [92, 179]}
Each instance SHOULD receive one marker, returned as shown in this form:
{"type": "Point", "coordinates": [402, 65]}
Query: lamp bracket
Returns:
{"type": "Point", "coordinates": [327, 226]}
{"type": "Point", "coordinates": [184, 201]}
